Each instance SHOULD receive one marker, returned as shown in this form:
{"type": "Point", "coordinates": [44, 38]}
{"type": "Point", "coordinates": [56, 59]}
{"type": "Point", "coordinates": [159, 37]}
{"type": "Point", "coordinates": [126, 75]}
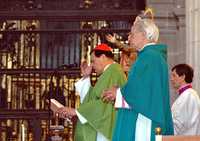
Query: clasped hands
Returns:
{"type": "Point", "coordinates": [109, 95]}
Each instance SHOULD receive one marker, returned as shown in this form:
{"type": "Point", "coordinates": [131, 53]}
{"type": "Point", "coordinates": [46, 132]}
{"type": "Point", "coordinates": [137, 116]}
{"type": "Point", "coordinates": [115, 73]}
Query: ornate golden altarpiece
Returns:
{"type": "Point", "coordinates": [41, 46]}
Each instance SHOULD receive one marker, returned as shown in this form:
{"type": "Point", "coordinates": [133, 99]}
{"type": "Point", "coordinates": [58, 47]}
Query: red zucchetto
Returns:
{"type": "Point", "coordinates": [103, 47]}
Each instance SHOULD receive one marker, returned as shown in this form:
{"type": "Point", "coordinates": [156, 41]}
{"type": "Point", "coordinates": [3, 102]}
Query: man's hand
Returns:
{"type": "Point", "coordinates": [109, 95]}
{"type": "Point", "coordinates": [111, 38]}
{"type": "Point", "coordinates": [66, 112]}
{"type": "Point", "coordinates": [86, 70]}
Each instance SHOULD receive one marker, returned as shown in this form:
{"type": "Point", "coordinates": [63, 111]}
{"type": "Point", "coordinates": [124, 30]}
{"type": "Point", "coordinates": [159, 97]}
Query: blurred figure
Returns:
{"type": "Point", "coordinates": [55, 91]}
{"type": "Point", "coordinates": [186, 108]}
{"type": "Point", "coordinates": [128, 54]}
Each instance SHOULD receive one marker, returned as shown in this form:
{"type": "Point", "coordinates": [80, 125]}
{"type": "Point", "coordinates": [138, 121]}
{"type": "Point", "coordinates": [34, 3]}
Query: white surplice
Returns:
{"type": "Point", "coordinates": [186, 113]}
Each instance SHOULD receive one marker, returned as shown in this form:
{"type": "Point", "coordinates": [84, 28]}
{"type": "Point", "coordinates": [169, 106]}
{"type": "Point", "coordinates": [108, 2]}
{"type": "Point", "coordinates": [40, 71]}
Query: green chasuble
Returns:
{"type": "Point", "coordinates": [147, 93]}
{"type": "Point", "coordinates": [100, 115]}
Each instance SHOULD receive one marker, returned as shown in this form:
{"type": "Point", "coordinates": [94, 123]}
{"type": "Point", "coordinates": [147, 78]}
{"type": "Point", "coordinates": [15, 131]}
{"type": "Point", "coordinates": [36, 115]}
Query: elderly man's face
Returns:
{"type": "Point", "coordinates": [136, 38]}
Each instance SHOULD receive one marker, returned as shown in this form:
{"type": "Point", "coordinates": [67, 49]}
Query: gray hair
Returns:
{"type": "Point", "coordinates": [148, 27]}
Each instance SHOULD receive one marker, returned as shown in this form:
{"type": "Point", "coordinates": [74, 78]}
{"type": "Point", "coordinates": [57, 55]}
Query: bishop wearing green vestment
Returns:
{"type": "Point", "coordinates": [143, 102]}
{"type": "Point", "coordinates": [97, 118]}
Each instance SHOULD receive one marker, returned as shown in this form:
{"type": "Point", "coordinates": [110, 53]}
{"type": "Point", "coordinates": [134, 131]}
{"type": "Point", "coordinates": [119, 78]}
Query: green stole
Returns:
{"type": "Point", "coordinates": [100, 115]}
{"type": "Point", "coordinates": [146, 92]}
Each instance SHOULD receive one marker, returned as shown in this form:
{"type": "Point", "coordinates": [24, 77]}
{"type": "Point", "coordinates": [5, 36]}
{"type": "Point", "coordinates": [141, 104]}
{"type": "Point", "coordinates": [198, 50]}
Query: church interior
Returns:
{"type": "Point", "coordinates": [42, 44]}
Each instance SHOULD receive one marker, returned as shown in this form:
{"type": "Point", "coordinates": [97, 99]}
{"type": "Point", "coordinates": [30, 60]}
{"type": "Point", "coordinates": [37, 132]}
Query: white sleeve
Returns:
{"type": "Point", "coordinates": [82, 86]}
{"type": "Point", "coordinates": [185, 113]}
{"type": "Point", "coordinates": [80, 117]}
{"type": "Point", "coordinates": [120, 102]}
{"type": "Point", "coordinates": [178, 121]}
{"type": "Point", "coordinates": [179, 115]}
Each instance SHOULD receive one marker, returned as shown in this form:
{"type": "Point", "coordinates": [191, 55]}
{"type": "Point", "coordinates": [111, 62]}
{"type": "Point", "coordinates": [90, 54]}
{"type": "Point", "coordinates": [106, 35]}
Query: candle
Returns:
{"type": "Point", "coordinates": [23, 132]}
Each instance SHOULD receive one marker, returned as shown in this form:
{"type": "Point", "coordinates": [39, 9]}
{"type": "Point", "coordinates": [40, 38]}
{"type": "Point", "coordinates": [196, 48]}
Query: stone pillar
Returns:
{"type": "Point", "coordinates": [193, 39]}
